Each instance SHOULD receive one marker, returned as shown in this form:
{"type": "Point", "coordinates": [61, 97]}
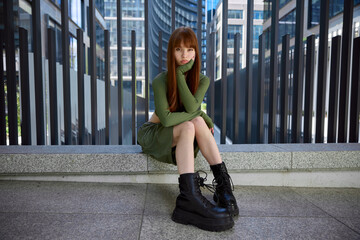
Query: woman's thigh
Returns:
{"type": "Point", "coordinates": [186, 128]}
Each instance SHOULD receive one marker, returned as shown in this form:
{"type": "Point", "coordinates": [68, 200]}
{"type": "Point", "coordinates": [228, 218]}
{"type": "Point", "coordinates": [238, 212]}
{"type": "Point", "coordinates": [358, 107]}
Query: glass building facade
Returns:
{"type": "Point", "coordinates": [237, 23]}
{"type": "Point", "coordinates": [50, 17]}
{"type": "Point", "coordinates": [287, 25]}
{"type": "Point", "coordinates": [133, 18]}
{"type": "Point", "coordinates": [160, 20]}
{"type": "Point", "coordinates": [335, 7]}
{"type": "Point", "coordinates": [287, 22]}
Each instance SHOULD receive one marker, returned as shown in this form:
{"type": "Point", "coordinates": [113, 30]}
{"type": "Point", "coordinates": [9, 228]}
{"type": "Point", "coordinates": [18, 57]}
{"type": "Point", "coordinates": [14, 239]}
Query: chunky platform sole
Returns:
{"type": "Point", "coordinates": [208, 224]}
{"type": "Point", "coordinates": [232, 209]}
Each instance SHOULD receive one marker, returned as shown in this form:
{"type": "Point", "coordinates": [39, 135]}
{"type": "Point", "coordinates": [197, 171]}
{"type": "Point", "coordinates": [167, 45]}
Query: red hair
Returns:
{"type": "Point", "coordinates": [187, 37]}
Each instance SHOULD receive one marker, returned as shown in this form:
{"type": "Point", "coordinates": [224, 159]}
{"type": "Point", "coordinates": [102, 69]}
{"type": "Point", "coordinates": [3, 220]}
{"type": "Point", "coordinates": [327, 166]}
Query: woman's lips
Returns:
{"type": "Point", "coordinates": [184, 61]}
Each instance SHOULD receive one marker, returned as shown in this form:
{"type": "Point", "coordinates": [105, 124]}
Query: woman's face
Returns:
{"type": "Point", "coordinates": [184, 54]}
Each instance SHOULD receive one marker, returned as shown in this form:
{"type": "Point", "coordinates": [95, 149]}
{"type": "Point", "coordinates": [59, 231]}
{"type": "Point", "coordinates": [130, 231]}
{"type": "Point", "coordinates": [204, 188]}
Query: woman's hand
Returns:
{"type": "Point", "coordinates": [186, 67]}
{"type": "Point", "coordinates": [212, 131]}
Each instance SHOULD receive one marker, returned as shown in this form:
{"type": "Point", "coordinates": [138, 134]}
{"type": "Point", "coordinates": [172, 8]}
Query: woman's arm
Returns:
{"type": "Point", "coordinates": [191, 102]}
{"type": "Point", "coordinates": [207, 119]}
{"type": "Point", "coordinates": [166, 117]}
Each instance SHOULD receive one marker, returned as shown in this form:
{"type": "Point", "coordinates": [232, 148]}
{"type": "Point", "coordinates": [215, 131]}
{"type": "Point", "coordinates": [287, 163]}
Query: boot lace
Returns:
{"type": "Point", "coordinates": [225, 180]}
{"type": "Point", "coordinates": [202, 180]}
{"type": "Point", "coordinates": [210, 187]}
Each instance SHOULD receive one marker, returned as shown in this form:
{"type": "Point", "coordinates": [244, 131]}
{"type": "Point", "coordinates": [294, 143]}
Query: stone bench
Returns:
{"type": "Point", "coordinates": [310, 165]}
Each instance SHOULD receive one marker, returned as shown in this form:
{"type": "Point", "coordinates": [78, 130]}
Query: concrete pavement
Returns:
{"type": "Point", "coordinates": [66, 210]}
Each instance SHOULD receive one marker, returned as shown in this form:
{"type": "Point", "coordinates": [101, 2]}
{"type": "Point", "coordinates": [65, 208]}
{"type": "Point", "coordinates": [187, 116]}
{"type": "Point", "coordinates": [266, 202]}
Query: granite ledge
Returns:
{"type": "Point", "coordinates": [127, 159]}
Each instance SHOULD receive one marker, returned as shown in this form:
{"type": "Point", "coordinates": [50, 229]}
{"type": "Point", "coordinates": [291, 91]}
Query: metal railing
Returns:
{"type": "Point", "coordinates": [287, 120]}
{"type": "Point", "coordinates": [236, 103]}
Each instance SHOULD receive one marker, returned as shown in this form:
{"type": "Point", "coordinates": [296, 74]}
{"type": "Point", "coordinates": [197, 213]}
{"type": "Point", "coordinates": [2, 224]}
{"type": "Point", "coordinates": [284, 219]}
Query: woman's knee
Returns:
{"type": "Point", "coordinates": [187, 128]}
{"type": "Point", "coordinates": [199, 122]}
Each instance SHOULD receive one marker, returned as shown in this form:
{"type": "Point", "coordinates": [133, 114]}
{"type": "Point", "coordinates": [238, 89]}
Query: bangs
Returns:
{"type": "Point", "coordinates": [185, 37]}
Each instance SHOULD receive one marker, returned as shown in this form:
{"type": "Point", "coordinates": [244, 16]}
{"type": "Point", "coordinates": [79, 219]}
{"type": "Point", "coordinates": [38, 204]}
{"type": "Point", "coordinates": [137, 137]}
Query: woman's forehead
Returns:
{"type": "Point", "coordinates": [183, 45]}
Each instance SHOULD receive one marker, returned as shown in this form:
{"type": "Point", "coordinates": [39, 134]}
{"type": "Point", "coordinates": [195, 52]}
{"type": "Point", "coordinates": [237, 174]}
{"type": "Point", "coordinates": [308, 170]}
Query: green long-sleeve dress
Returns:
{"type": "Point", "coordinates": [156, 139]}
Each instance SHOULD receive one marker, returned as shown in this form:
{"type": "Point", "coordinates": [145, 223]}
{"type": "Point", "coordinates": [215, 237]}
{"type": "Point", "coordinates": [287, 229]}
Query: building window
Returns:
{"type": "Point", "coordinates": [232, 30]}
{"type": "Point", "coordinates": [231, 60]}
{"type": "Point", "coordinates": [110, 8]}
{"type": "Point", "coordinates": [99, 4]}
{"type": "Point", "coordinates": [258, 14]}
{"type": "Point", "coordinates": [75, 11]}
{"type": "Point", "coordinates": [100, 54]}
{"type": "Point", "coordinates": [58, 38]}
{"type": "Point", "coordinates": [25, 21]}
{"type": "Point", "coordinates": [256, 33]}
{"type": "Point", "coordinates": [112, 27]}
{"type": "Point", "coordinates": [335, 7]}
{"type": "Point", "coordinates": [287, 25]}
{"type": "Point", "coordinates": [57, 2]}
{"type": "Point", "coordinates": [139, 28]}
{"type": "Point", "coordinates": [267, 9]}
{"type": "Point", "coordinates": [217, 40]}
{"type": "Point", "coordinates": [218, 63]}
{"type": "Point", "coordinates": [267, 38]}
{"type": "Point", "coordinates": [283, 3]}
{"type": "Point", "coordinates": [113, 64]}
{"type": "Point", "coordinates": [238, 14]}
{"type": "Point", "coordinates": [73, 52]}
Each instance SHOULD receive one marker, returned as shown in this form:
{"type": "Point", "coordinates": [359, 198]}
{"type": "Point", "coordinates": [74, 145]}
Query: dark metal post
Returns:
{"type": "Point", "coordinates": [25, 92]}
{"type": "Point", "coordinates": [147, 60]}
{"type": "Point", "coordinates": [355, 93]}
{"type": "Point", "coordinates": [224, 72]}
{"type": "Point", "coordinates": [94, 125]}
{"type": "Point", "coordinates": [208, 69]}
{"type": "Point", "coordinates": [160, 51]}
{"type": "Point", "coordinates": [309, 88]}
{"type": "Point", "coordinates": [81, 91]}
{"type": "Point", "coordinates": [284, 85]}
{"type": "Point", "coordinates": [261, 89]}
{"type": "Point", "coordinates": [249, 69]}
{"type": "Point", "coordinates": [298, 73]}
{"type": "Point", "coordinates": [211, 75]}
{"type": "Point", "coordinates": [133, 83]}
{"type": "Point", "coordinates": [119, 67]}
{"type": "Point", "coordinates": [334, 89]}
{"type": "Point", "coordinates": [321, 93]}
{"type": "Point", "coordinates": [107, 86]}
{"type": "Point", "coordinates": [66, 70]}
{"type": "Point", "coordinates": [273, 70]}
{"type": "Point", "coordinates": [39, 92]}
{"type": "Point", "coordinates": [11, 71]}
{"type": "Point", "coordinates": [236, 88]}
{"type": "Point", "coordinates": [173, 15]}
{"type": "Point", "coordinates": [199, 24]}
{"type": "Point", "coordinates": [2, 93]}
{"type": "Point", "coordinates": [345, 71]}
{"type": "Point", "coordinates": [53, 87]}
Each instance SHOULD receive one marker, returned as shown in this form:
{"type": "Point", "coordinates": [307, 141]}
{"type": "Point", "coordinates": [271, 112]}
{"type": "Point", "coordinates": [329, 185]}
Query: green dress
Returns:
{"type": "Point", "coordinates": [155, 139]}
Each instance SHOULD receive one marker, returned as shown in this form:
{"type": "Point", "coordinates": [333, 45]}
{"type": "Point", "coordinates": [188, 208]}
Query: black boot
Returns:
{"type": "Point", "coordinates": [193, 208]}
{"type": "Point", "coordinates": [224, 189]}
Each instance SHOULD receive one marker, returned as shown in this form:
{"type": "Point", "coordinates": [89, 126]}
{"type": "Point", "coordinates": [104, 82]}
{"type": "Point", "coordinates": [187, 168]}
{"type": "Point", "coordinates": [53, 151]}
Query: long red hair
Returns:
{"type": "Point", "coordinates": [187, 37]}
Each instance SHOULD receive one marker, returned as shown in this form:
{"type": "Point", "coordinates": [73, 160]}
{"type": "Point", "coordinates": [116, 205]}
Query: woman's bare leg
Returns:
{"type": "Point", "coordinates": [206, 141]}
{"type": "Point", "coordinates": [183, 139]}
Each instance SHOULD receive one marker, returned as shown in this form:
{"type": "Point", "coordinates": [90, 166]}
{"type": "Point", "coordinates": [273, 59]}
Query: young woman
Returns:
{"type": "Point", "coordinates": [178, 129]}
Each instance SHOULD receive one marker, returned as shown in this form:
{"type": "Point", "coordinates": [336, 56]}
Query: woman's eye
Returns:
{"type": "Point", "coordinates": [177, 49]}
{"type": "Point", "coordinates": [191, 49]}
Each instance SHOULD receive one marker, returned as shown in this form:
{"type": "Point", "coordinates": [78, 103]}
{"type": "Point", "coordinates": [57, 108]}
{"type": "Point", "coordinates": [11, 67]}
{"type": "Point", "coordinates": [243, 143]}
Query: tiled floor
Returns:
{"type": "Point", "coordinates": [62, 210]}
